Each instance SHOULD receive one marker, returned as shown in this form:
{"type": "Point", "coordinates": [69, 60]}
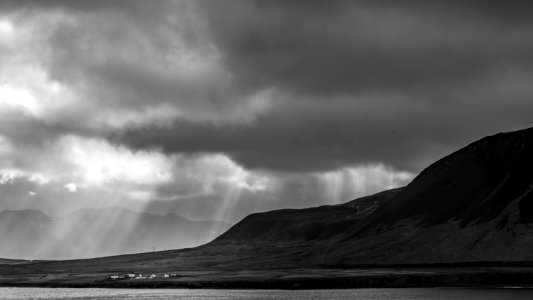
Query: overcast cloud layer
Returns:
{"type": "Point", "coordinates": [215, 109]}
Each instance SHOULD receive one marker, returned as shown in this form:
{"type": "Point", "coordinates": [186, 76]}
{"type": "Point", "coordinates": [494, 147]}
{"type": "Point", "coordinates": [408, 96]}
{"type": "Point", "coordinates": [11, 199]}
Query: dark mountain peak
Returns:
{"type": "Point", "coordinates": [497, 147]}
{"type": "Point", "coordinates": [475, 184]}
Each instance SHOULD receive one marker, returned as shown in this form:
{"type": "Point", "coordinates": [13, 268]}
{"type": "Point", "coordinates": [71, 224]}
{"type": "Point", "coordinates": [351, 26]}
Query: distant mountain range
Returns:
{"type": "Point", "coordinates": [31, 234]}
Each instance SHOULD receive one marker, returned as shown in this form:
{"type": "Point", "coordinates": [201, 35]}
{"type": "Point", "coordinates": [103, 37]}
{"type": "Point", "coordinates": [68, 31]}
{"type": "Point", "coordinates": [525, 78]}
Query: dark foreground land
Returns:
{"type": "Point", "coordinates": [92, 273]}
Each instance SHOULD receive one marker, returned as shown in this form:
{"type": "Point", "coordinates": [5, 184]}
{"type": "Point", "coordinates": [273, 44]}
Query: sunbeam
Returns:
{"type": "Point", "coordinates": [349, 183]}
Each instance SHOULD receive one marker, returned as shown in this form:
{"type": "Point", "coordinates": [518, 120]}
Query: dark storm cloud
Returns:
{"type": "Point", "coordinates": [352, 46]}
{"type": "Point", "coordinates": [134, 56]}
{"type": "Point", "coordinates": [359, 82]}
{"type": "Point", "coordinates": [350, 82]}
{"type": "Point", "coordinates": [137, 7]}
{"type": "Point", "coordinates": [317, 136]}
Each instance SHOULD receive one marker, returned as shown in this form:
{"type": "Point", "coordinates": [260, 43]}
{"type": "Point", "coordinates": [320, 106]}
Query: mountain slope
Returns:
{"type": "Point", "coordinates": [474, 184]}
{"type": "Point", "coordinates": [316, 223]}
{"type": "Point", "coordinates": [473, 205]}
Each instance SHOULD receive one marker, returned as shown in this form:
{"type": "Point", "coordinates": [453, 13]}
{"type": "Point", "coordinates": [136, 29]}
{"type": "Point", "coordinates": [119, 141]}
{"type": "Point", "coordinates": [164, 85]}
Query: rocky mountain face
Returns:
{"type": "Point", "coordinates": [473, 205]}
{"type": "Point", "coordinates": [86, 233]}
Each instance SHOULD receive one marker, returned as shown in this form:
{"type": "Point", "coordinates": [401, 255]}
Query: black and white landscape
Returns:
{"type": "Point", "coordinates": [423, 234]}
{"type": "Point", "coordinates": [266, 144]}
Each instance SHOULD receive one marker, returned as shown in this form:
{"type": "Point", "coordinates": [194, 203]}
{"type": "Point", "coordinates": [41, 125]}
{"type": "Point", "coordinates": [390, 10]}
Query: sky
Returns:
{"type": "Point", "coordinates": [218, 109]}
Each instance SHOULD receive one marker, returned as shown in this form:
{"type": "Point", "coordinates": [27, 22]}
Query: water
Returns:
{"type": "Point", "coordinates": [90, 294]}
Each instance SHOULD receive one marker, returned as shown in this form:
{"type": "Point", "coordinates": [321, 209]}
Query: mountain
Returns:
{"type": "Point", "coordinates": [473, 185]}
{"type": "Point", "coordinates": [309, 224]}
{"type": "Point", "coordinates": [473, 205]}
{"type": "Point", "coordinates": [22, 232]}
{"type": "Point", "coordinates": [98, 232]}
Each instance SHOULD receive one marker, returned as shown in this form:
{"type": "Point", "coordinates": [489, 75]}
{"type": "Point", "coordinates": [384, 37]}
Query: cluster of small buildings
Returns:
{"type": "Point", "coordinates": [135, 275]}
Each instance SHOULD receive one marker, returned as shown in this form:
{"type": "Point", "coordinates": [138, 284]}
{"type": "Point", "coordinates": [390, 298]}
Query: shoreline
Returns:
{"type": "Point", "coordinates": [281, 289]}
{"type": "Point", "coordinates": [470, 279]}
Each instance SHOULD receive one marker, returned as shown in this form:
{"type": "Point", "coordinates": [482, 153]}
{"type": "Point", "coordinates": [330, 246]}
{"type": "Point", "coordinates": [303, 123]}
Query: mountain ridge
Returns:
{"type": "Point", "coordinates": [305, 224]}
{"type": "Point", "coordinates": [97, 232]}
{"type": "Point", "coordinates": [471, 205]}
{"type": "Point", "coordinates": [488, 192]}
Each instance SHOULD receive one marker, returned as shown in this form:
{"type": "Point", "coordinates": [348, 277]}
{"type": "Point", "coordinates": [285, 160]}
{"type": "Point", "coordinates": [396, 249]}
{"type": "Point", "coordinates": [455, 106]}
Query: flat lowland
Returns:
{"type": "Point", "coordinates": [201, 268]}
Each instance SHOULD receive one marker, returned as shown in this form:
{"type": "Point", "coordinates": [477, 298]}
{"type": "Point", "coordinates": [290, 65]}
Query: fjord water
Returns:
{"type": "Point", "coordinates": [410, 293]}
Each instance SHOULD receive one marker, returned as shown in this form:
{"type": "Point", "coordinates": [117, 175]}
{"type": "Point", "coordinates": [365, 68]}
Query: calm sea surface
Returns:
{"type": "Point", "coordinates": [62, 293]}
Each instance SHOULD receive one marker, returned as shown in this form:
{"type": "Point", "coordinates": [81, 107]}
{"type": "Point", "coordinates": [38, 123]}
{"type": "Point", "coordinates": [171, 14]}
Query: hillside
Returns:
{"type": "Point", "coordinates": [472, 205]}
{"type": "Point", "coordinates": [473, 185]}
{"type": "Point", "coordinates": [309, 224]}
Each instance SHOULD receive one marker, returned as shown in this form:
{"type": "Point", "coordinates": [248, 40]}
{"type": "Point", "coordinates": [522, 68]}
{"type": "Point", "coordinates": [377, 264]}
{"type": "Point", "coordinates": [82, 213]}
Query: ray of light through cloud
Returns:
{"type": "Point", "coordinates": [213, 110]}
{"type": "Point", "coordinates": [348, 183]}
